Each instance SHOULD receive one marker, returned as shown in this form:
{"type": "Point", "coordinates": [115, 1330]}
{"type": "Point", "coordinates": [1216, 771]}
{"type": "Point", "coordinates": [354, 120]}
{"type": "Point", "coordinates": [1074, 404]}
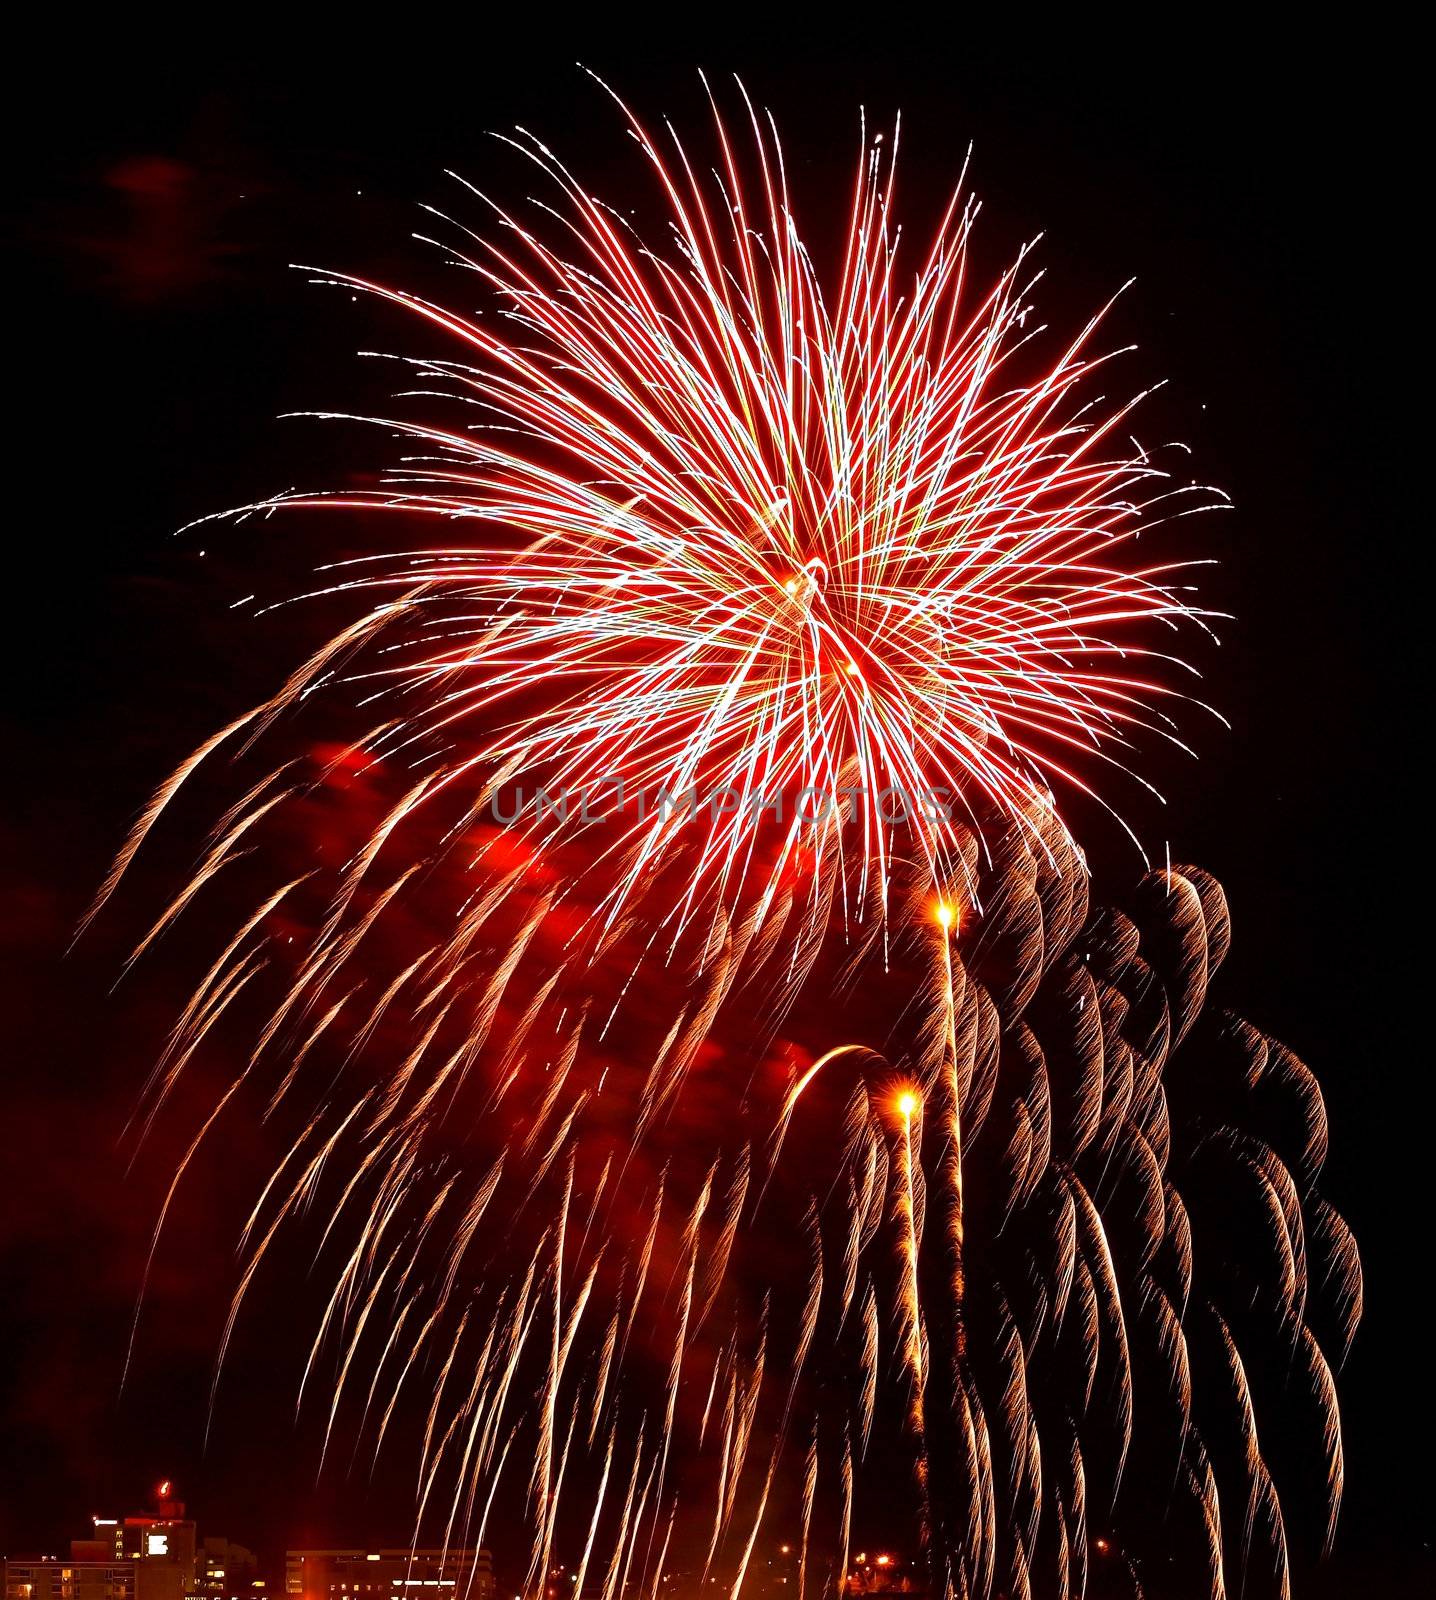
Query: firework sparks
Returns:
{"type": "Point", "coordinates": [846, 577]}
{"type": "Point", "coordinates": [910, 1207]}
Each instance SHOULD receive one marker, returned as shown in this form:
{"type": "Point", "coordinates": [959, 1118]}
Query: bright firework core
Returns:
{"type": "Point", "coordinates": [740, 523]}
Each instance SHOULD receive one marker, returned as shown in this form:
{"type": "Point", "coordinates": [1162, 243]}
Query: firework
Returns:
{"type": "Point", "coordinates": [774, 611]}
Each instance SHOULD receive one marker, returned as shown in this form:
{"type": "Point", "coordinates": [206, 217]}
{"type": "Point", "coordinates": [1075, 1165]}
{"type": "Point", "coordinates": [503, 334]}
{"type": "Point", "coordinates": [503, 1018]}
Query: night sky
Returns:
{"type": "Point", "coordinates": [1255, 187]}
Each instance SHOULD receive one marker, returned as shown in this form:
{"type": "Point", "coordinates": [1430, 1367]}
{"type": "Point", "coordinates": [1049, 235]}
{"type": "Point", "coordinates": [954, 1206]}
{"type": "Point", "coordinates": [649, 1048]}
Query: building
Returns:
{"type": "Point", "coordinates": [52, 1578]}
{"type": "Point", "coordinates": [151, 1556]}
{"type": "Point", "coordinates": [159, 1544]}
{"type": "Point", "coordinates": [225, 1570]}
{"type": "Point", "coordinates": [402, 1574]}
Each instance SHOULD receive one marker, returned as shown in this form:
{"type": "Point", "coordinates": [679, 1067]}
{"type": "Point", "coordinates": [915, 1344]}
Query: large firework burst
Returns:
{"type": "Point", "coordinates": [773, 614]}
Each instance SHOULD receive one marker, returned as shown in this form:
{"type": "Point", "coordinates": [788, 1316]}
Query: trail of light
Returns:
{"type": "Point", "coordinates": [914, 1336]}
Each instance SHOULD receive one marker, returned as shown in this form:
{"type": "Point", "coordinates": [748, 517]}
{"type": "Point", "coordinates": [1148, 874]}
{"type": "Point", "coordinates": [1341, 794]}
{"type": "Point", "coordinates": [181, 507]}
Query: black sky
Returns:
{"type": "Point", "coordinates": [1259, 189]}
